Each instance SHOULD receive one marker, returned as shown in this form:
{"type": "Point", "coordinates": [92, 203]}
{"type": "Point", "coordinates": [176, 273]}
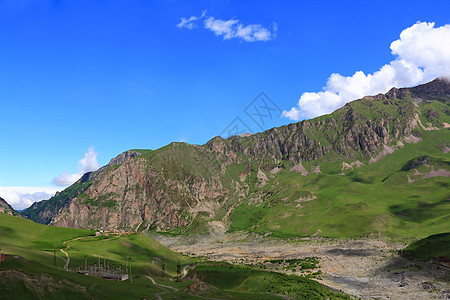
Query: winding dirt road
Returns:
{"type": "Point", "coordinates": [66, 266]}
{"type": "Point", "coordinates": [158, 295]}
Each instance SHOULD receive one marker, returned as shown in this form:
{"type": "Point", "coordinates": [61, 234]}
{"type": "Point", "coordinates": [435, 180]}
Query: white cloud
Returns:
{"type": "Point", "coordinates": [190, 22]}
{"type": "Point", "coordinates": [20, 197]}
{"type": "Point", "coordinates": [87, 164]}
{"type": "Point", "coordinates": [231, 28]}
{"type": "Point", "coordinates": [65, 179]}
{"type": "Point", "coordinates": [422, 54]}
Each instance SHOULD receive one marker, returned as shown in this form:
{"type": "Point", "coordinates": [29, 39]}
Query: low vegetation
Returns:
{"type": "Point", "coordinates": [29, 271]}
{"type": "Point", "coordinates": [435, 247]}
{"type": "Point", "coordinates": [246, 279]}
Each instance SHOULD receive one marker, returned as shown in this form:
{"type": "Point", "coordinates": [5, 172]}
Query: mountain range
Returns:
{"type": "Point", "coordinates": [377, 166]}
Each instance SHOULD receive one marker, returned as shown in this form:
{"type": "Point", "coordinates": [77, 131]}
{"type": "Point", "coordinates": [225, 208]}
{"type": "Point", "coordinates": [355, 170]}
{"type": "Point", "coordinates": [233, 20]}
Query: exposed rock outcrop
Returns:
{"type": "Point", "coordinates": [6, 208]}
{"type": "Point", "coordinates": [179, 183]}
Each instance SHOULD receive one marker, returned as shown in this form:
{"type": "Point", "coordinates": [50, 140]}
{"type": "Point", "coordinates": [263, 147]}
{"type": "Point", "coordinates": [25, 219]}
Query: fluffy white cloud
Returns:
{"type": "Point", "coordinates": [20, 197]}
{"type": "Point", "coordinates": [422, 54]}
{"type": "Point", "coordinates": [231, 28]}
{"type": "Point", "coordinates": [87, 164]}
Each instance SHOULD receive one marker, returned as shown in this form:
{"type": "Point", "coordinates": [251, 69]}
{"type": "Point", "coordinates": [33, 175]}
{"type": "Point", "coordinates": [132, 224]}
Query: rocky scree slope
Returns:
{"type": "Point", "coordinates": [187, 188]}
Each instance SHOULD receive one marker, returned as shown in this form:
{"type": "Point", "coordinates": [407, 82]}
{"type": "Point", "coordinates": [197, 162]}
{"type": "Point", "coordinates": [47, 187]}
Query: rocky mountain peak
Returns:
{"type": "Point", "coordinates": [121, 158]}
{"type": "Point", "coordinates": [438, 87]}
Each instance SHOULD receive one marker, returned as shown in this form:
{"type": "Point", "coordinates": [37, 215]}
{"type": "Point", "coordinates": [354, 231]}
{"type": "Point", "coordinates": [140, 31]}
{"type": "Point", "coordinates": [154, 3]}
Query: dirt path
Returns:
{"type": "Point", "coordinates": [365, 268]}
{"type": "Point", "coordinates": [158, 295]}
{"type": "Point", "coordinates": [185, 271]}
{"type": "Point", "coordinates": [66, 266]}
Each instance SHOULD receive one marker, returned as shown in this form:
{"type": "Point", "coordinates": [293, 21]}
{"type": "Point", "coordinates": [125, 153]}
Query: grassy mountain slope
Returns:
{"type": "Point", "coordinates": [435, 247]}
{"type": "Point", "coordinates": [372, 199]}
{"type": "Point", "coordinates": [378, 165]}
{"type": "Point", "coordinates": [28, 271]}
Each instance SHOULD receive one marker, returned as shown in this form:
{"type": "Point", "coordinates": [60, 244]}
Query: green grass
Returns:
{"type": "Point", "coordinates": [374, 199]}
{"type": "Point", "coordinates": [24, 233]}
{"type": "Point", "coordinates": [434, 246]}
{"type": "Point", "coordinates": [36, 245]}
{"type": "Point", "coordinates": [246, 279]}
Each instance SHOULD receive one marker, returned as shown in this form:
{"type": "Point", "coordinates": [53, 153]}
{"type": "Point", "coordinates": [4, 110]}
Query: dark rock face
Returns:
{"type": "Point", "coordinates": [431, 115]}
{"type": "Point", "coordinates": [171, 186]}
{"type": "Point", "coordinates": [439, 87]}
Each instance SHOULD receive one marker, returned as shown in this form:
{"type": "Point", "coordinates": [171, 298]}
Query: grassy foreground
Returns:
{"type": "Point", "coordinates": [28, 272]}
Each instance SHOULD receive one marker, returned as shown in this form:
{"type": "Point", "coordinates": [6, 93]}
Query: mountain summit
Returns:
{"type": "Point", "coordinates": [378, 165]}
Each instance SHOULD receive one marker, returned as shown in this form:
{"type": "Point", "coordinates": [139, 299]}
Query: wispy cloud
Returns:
{"type": "Point", "coordinates": [20, 197]}
{"type": "Point", "coordinates": [422, 54]}
{"type": "Point", "coordinates": [190, 23]}
{"type": "Point", "coordinates": [232, 28]}
{"type": "Point", "coordinates": [87, 164]}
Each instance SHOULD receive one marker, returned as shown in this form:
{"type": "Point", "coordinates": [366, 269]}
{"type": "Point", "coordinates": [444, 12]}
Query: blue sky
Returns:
{"type": "Point", "coordinates": [118, 75]}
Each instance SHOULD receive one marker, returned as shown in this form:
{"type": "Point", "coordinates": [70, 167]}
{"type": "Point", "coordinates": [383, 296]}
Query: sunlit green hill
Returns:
{"type": "Point", "coordinates": [29, 271]}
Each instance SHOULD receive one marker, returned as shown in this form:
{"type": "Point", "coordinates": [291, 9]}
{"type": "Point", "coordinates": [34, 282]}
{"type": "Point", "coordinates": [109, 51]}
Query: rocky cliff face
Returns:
{"type": "Point", "coordinates": [176, 185]}
{"type": "Point", "coordinates": [6, 208]}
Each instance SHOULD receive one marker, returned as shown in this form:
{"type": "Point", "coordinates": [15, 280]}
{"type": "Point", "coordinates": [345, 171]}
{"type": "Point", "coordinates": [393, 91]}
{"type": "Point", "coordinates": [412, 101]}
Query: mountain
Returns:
{"type": "Point", "coordinates": [378, 165]}
{"type": "Point", "coordinates": [6, 208]}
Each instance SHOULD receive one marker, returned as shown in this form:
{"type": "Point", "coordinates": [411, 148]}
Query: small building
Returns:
{"type": "Point", "coordinates": [83, 272]}
{"type": "Point", "coordinates": [120, 277]}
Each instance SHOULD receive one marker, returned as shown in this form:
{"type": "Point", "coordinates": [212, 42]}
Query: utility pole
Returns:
{"type": "Point", "coordinates": [54, 259]}
{"type": "Point", "coordinates": [85, 263]}
{"type": "Point", "coordinates": [131, 276]}
{"type": "Point", "coordinates": [178, 271]}
{"type": "Point", "coordinates": [163, 271]}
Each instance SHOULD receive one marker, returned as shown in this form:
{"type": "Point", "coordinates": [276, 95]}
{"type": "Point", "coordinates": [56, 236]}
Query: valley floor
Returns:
{"type": "Point", "coordinates": [365, 268]}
